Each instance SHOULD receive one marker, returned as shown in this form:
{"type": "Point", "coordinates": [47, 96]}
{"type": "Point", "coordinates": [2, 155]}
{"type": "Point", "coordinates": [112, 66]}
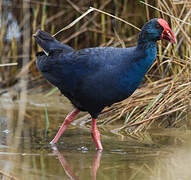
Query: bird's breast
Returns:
{"type": "Point", "coordinates": [134, 72]}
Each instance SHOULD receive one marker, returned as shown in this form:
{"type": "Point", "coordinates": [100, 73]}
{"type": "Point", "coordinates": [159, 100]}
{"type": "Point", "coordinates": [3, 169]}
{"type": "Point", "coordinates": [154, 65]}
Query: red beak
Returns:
{"type": "Point", "coordinates": [167, 33]}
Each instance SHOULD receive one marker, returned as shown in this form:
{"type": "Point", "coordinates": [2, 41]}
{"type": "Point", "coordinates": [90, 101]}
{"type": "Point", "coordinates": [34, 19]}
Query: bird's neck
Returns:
{"type": "Point", "coordinates": [145, 43]}
{"type": "Point", "coordinates": [148, 47]}
{"type": "Point", "coordinates": [148, 51]}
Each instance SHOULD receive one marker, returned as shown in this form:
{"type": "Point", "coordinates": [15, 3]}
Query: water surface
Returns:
{"type": "Point", "coordinates": [157, 154]}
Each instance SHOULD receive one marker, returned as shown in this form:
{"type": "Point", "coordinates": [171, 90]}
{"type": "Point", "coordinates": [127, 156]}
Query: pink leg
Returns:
{"type": "Point", "coordinates": [96, 135]}
{"type": "Point", "coordinates": [65, 124]}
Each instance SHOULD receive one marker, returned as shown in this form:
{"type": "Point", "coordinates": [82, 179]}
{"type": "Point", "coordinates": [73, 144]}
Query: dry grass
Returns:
{"type": "Point", "coordinates": [6, 176]}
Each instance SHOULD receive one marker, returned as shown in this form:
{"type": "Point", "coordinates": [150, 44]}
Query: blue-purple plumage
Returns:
{"type": "Point", "coordinates": [93, 78]}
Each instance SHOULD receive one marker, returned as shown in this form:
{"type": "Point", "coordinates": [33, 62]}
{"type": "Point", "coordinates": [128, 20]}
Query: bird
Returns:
{"type": "Point", "coordinates": [96, 77]}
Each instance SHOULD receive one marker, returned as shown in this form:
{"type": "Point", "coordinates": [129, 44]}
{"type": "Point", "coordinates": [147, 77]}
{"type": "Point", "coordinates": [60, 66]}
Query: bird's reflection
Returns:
{"type": "Point", "coordinates": [95, 164]}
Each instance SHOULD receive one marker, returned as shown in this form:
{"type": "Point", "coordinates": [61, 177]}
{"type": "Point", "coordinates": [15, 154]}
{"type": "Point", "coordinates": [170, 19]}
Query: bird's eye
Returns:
{"type": "Point", "coordinates": [157, 26]}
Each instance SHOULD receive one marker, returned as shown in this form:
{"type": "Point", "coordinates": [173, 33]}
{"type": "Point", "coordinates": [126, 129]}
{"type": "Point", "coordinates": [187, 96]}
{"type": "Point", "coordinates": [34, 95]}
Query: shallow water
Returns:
{"type": "Point", "coordinates": [157, 154]}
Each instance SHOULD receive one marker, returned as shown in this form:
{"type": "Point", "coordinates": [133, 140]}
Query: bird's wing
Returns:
{"type": "Point", "coordinates": [68, 70]}
{"type": "Point", "coordinates": [87, 66]}
{"type": "Point", "coordinates": [91, 59]}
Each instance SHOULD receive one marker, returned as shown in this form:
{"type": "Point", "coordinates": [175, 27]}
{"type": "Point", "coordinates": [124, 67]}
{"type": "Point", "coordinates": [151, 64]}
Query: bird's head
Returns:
{"type": "Point", "coordinates": [157, 29]}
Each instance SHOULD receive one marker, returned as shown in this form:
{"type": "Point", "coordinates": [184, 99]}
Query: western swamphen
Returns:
{"type": "Point", "coordinates": [94, 78]}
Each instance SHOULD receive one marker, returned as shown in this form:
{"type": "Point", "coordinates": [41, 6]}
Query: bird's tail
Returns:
{"type": "Point", "coordinates": [49, 43]}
